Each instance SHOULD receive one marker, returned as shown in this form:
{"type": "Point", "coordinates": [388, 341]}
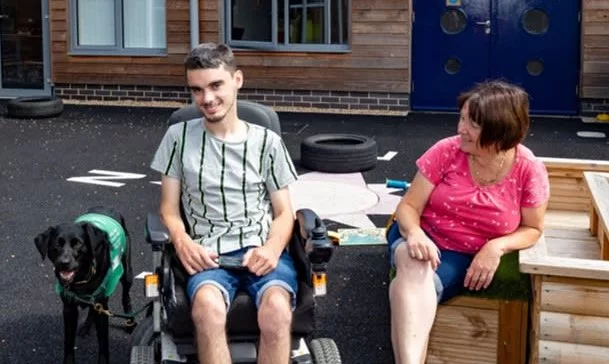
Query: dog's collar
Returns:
{"type": "Point", "coordinates": [90, 275]}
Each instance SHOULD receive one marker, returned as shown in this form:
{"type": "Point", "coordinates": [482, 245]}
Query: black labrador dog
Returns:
{"type": "Point", "coordinates": [90, 256]}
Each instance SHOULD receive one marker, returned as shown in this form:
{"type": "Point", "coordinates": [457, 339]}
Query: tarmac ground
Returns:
{"type": "Point", "coordinates": [39, 156]}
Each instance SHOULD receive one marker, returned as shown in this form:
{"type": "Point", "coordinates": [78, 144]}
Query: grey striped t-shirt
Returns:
{"type": "Point", "coordinates": [225, 186]}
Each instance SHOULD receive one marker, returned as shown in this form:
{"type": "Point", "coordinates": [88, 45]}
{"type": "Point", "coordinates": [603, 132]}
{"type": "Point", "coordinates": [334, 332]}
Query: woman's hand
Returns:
{"type": "Point", "coordinates": [422, 248]}
{"type": "Point", "coordinates": [484, 265]}
{"type": "Point", "coordinates": [194, 257]}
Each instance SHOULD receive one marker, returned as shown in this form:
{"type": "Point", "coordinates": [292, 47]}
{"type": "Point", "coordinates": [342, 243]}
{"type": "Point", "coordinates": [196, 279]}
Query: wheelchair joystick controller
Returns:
{"type": "Point", "coordinates": [319, 255]}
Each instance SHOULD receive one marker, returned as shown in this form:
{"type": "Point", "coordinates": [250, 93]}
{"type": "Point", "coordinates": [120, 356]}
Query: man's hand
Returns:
{"type": "Point", "coordinates": [193, 256]}
{"type": "Point", "coordinates": [420, 247]}
{"type": "Point", "coordinates": [261, 260]}
{"type": "Point", "coordinates": [484, 265]}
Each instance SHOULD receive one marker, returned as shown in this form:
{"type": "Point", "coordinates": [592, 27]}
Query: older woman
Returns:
{"type": "Point", "coordinates": [476, 196]}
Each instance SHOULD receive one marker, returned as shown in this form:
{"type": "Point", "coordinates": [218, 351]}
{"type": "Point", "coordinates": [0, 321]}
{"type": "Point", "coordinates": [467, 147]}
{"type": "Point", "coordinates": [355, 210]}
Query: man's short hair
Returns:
{"type": "Point", "coordinates": [210, 55]}
{"type": "Point", "coordinates": [502, 111]}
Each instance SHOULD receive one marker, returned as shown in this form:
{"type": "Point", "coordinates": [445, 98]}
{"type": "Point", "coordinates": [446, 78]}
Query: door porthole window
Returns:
{"type": "Point", "coordinates": [453, 21]}
{"type": "Point", "coordinates": [534, 67]}
{"type": "Point", "coordinates": [452, 66]}
{"type": "Point", "coordinates": [535, 21]}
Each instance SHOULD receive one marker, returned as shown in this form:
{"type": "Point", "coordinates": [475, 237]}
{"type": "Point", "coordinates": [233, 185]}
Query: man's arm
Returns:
{"type": "Point", "coordinates": [192, 255]}
{"type": "Point", "coordinates": [264, 259]}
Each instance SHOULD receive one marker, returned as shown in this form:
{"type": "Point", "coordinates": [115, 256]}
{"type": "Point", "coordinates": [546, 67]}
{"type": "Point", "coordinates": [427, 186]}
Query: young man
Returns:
{"type": "Point", "coordinates": [231, 177]}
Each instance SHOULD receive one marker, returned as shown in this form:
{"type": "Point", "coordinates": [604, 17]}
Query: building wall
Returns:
{"type": "Point", "coordinates": [374, 76]}
{"type": "Point", "coordinates": [595, 56]}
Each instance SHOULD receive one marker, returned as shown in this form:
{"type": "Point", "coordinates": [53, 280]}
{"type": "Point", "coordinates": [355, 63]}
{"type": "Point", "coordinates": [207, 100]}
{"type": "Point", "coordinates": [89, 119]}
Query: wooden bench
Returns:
{"type": "Point", "coordinates": [570, 279]}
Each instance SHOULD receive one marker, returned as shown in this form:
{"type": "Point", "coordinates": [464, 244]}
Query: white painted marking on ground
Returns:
{"type": "Point", "coordinates": [343, 197]}
{"type": "Point", "coordinates": [142, 275]}
{"type": "Point", "coordinates": [106, 177]}
{"type": "Point", "coordinates": [388, 156]}
{"type": "Point", "coordinates": [156, 182]}
{"type": "Point", "coordinates": [591, 134]}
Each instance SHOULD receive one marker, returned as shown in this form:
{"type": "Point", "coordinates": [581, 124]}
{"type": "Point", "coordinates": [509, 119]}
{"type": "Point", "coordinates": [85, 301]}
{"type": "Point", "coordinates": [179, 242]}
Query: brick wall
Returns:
{"type": "Point", "coordinates": [315, 100]}
{"type": "Point", "coordinates": [342, 101]}
{"type": "Point", "coordinates": [593, 107]}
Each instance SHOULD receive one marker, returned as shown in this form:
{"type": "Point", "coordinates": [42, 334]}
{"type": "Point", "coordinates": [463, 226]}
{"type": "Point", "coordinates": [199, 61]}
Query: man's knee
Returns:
{"type": "Point", "coordinates": [275, 311]}
{"type": "Point", "coordinates": [209, 308]}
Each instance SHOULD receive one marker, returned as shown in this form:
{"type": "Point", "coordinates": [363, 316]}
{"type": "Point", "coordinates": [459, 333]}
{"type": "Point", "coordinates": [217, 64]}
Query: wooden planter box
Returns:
{"type": "Point", "coordinates": [479, 330]}
{"type": "Point", "coordinates": [570, 279]}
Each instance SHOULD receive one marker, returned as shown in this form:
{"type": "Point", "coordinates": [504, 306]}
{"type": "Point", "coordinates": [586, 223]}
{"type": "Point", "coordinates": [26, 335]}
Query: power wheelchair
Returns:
{"type": "Point", "coordinates": [166, 334]}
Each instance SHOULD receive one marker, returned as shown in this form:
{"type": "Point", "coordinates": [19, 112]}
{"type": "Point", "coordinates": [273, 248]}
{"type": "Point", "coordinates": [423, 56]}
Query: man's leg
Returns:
{"type": "Point", "coordinates": [210, 293]}
{"type": "Point", "coordinates": [275, 295]}
{"type": "Point", "coordinates": [275, 321]}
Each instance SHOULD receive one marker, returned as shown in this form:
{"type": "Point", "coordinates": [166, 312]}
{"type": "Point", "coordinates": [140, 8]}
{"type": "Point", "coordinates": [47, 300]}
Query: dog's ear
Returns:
{"type": "Point", "coordinates": [42, 241]}
{"type": "Point", "coordinates": [96, 238]}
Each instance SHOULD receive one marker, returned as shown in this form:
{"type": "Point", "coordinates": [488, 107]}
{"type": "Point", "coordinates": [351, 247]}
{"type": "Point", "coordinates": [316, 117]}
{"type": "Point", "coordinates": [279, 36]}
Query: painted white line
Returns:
{"type": "Point", "coordinates": [388, 156]}
{"type": "Point", "coordinates": [106, 175]}
{"type": "Point", "coordinates": [590, 134]}
{"type": "Point", "coordinates": [156, 182]}
{"type": "Point", "coordinates": [142, 275]}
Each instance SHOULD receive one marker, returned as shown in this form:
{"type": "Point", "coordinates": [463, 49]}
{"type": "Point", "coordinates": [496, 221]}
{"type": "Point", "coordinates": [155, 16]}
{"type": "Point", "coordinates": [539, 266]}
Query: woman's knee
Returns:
{"type": "Point", "coordinates": [405, 263]}
{"type": "Point", "coordinates": [275, 311]}
{"type": "Point", "coordinates": [209, 308]}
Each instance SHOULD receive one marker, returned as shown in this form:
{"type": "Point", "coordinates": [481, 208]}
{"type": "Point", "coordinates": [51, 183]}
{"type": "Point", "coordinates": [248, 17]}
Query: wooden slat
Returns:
{"type": "Point", "coordinates": [569, 247]}
{"type": "Point", "coordinates": [456, 328]}
{"type": "Point", "coordinates": [576, 329]}
{"type": "Point", "coordinates": [575, 297]}
{"type": "Point", "coordinates": [566, 219]}
{"type": "Point", "coordinates": [513, 324]}
{"type": "Point", "coordinates": [535, 317]}
{"type": "Point", "coordinates": [553, 352]}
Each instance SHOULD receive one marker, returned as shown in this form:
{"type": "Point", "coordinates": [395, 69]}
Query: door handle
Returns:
{"type": "Point", "coordinates": [487, 26]}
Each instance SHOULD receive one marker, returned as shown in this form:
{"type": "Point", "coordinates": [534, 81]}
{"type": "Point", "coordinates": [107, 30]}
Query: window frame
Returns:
{"type": "Point", "coordinates": [273, 45]}
{"type": "Point", "coordinates": [115, 50]}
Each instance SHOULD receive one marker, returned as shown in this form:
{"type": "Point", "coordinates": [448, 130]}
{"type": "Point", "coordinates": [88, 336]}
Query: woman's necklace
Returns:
{"type": "Point", "coordinates": [476, 165]}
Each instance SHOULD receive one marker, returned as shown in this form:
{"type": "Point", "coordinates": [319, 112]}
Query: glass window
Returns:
{"type": "Point", "coordinates": [98, 27]}
{"type": "Point", "coordinates": [299, 25]}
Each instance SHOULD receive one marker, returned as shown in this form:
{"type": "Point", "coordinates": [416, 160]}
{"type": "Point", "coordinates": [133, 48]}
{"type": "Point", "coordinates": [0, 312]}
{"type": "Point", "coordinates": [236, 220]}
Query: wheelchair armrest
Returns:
{"type": "Point", "coordinates": [314, 236]}
{"type": "Point", "coordinates": [156, 233]}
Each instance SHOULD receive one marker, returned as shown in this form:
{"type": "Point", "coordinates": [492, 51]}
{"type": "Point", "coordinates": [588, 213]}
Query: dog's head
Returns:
{"type": "Point", "coordinates": [71, 247]}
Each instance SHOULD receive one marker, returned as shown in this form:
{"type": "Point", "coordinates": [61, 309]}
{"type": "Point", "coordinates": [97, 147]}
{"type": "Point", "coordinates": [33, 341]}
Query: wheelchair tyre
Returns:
{"type": "Point", "coordinates": [324, 351]}
{"type": "Point", "coordinates": [142, 355]}
{"type": "Point", "coordinates": [143, 335]}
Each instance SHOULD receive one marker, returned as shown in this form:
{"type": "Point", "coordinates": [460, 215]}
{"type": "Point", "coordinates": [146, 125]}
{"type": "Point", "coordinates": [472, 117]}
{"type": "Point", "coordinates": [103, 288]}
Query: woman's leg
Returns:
{"type": "Point", "coordinates": [413, 300]}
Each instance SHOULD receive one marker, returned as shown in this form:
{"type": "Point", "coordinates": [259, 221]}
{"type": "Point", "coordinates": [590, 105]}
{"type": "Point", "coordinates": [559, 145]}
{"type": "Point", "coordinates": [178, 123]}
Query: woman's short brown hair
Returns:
{"type": "Point", "coordinates": [502, 111]}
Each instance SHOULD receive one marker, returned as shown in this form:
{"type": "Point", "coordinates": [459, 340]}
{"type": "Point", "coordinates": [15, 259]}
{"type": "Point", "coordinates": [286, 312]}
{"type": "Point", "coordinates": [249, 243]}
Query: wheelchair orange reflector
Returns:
{"type": "Point", "coordinates": [151, 285]}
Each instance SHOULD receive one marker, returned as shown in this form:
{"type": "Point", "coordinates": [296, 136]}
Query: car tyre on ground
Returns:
{"type": "Point", "coordinates": [338, 153]}
{"type": "Point", "coordinates": [324, 351]}
{"type": "Point", "coordinates": [34, 107]}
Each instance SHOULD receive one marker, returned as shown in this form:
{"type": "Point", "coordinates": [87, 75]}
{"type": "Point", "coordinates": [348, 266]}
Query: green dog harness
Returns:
{"type": "Point", "coordinates": [118, 241]}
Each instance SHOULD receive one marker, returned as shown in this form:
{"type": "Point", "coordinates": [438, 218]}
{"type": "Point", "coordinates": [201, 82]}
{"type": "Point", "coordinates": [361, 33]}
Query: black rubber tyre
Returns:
{"type": "Point", "coordinates": [338, 153]}
{"type": "Point", "coordinates": [34, 107]}
{"type": "Point", "coordinates": [143, 335]}
{"type": "Point", "coordinates": [142, 355]}
{"type": "Point", "coordinates": [325, 351]}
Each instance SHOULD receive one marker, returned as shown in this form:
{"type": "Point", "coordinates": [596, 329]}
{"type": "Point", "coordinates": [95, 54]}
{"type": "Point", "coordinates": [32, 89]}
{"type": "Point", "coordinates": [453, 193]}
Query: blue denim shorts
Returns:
{"type": "Point", "coordinates": [229, 281]}
{"type": "Point", "coordinates": [449, 277]}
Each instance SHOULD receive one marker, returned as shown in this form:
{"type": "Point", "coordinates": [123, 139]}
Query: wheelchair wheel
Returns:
{"type": "Point", "coordinates": [142, 355]}
{"type": "Point", "coordinates": [325, 351]}
{"type": "Point", "coordinates": [144, 345]}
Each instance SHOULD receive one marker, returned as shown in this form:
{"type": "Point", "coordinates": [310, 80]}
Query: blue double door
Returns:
{"type": "Point", "coordinates": [531, 43]}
